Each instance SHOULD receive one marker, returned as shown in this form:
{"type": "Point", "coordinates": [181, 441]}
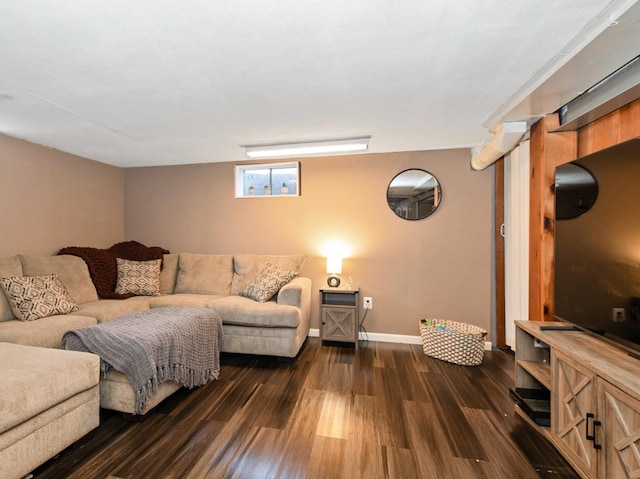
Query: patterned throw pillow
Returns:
{"type": "Point", "coordinates": [35, 297]}
{"type": "Point", "coordinates": [141, 278]}
{"type": "Point", "coordinates": [267, 283]}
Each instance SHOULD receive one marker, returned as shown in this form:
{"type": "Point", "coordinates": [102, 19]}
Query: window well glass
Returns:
{"type": "Point", "coordinates": [274, 179]}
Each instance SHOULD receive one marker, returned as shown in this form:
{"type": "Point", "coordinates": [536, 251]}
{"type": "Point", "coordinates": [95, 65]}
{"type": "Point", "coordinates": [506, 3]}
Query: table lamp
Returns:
{"type": "Point", "coordinates": [334, 268]}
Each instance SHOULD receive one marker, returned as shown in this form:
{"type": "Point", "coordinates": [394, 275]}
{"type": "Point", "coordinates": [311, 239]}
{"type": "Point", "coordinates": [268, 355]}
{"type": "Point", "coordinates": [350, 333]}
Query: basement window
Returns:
{"type": "Point", "coordinates": [272, 179]}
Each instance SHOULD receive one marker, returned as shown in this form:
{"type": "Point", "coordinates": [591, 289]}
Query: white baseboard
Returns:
{"type": "Point", "coordinates": [391, 338]}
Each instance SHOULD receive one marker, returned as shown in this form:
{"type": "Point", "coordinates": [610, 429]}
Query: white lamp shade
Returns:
{"type": "Point", "coordinates": [334, 265]}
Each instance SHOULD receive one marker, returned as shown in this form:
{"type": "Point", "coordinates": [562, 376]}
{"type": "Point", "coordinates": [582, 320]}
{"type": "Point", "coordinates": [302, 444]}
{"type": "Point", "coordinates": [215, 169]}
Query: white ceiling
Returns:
{"type": "Point", "coordinates": [155, 82]}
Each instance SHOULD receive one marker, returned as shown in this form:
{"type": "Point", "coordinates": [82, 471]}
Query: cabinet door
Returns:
{"type": "Point", "coordinates": [620, 433]}
{"type": "Point", "coordinates": [574, 398]}
{"type": "Point", "coordinates": [339, 324]}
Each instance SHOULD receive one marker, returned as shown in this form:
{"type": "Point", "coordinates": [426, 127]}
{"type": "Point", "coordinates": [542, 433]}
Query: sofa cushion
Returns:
{"type": "Point", "coordinates": [169, 273]}
{"type": "Point", "coordinates": [35, 379]}
{"type": "Point", "coordinates": [36, 297]}
{"type": "Point", "coordinates": [183, 299]}
{"type": "Point", "coordinates": [46, 332]}
{"type": "Point", "coordinates": [267, 283]}
{"type": "Point", "coordinates": [71, 270]}
{"type": "Point", "coordinates": [141, 278]}
{"type": "Point", "coordinates": [242, 311]}
{"type": "Point", "coordinates": [246, 267]}
{"type": "Point", "coordinates": [107, 309]}
{"type": "Point", "coordinates": [204, 273]}
{"type": "Point", "coordinates": [9, 266]}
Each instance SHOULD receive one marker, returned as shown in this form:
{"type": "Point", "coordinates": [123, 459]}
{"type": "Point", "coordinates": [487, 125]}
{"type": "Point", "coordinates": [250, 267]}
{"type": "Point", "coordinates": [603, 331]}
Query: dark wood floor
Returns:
{"type": "Point", "coordinates": [381, 411]}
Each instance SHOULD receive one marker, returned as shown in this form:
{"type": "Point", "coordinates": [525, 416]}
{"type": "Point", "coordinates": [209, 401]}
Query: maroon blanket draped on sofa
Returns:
{"type": "Point", "coordinates": [103, 267]}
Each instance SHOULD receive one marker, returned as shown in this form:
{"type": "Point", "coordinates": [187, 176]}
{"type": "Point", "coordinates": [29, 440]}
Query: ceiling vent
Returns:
{"type": "Point", "coordinates": [616, 90]}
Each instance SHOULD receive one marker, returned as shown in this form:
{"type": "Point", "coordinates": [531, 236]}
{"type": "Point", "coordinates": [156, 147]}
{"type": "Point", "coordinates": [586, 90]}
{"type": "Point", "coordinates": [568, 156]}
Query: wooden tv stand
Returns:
{"type": "Point", "coordinates": [583, 394]}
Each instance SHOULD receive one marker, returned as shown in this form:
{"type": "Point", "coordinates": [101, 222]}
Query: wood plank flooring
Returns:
{"type": "Point", "coordinates": [381, 411]}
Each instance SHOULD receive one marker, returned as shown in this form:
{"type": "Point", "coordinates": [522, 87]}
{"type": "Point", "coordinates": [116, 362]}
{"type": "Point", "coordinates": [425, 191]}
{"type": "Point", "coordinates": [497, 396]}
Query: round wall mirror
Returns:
{"type": "Point", "coordinates": [414, 194]}
{"type": "Point", "coordinates": [576, 191]}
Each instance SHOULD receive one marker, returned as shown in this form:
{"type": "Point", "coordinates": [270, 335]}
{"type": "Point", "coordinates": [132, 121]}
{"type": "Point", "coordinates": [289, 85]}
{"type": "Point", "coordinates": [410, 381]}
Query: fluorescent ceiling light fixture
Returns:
{"type": "Point", "coordinates": [308, 148]}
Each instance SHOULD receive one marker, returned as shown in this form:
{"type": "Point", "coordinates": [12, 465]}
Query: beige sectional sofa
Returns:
{"type": "Point", "coordinates": [277, 327]}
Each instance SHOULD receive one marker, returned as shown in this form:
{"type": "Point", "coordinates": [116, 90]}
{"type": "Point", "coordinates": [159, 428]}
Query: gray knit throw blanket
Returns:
{"type": "Point", "coordinates": [154, 346]}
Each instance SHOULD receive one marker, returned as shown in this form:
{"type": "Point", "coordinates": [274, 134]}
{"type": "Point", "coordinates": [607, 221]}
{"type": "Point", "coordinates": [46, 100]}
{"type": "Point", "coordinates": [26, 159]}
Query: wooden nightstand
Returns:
{"type": "Point", "coordinates": [339, 315]}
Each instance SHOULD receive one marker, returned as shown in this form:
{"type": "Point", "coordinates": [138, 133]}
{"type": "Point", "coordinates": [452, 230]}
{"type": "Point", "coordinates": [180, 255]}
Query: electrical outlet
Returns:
{"type": "Point", "coordinates": [618, 315]}
{"type": "Point", "coordinates": [367, 302]}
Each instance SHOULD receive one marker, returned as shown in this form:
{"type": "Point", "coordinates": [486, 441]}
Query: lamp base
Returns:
{"type": "Point", "coordinates": [333, 281]}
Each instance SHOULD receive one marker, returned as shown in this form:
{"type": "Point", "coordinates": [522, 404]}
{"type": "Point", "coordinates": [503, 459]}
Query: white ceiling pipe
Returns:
{"type": "Point", "coordinates": [505, 139]}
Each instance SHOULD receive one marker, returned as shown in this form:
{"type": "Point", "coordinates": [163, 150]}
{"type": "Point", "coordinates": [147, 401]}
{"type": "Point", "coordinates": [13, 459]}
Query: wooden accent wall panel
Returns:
{"type": "Point", "coordinates": [548, 150]}
{"type": "Point", "coordinates": [616, 127]}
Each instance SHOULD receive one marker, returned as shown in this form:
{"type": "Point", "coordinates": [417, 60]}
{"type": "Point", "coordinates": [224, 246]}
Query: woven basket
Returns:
{"type": "Point", "coordinates": [464, 345]}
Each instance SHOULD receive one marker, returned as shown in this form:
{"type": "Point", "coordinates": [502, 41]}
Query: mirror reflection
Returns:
{"type": "Point", "coordinates": [414, 194]}
{"type": "Point", "coordinates": [576, 191]}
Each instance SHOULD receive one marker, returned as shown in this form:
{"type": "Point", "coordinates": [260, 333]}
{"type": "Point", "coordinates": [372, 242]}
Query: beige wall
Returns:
{"type": "Point", "coordinates": [50, 199]}
{"type": "Point", "coordinates": [437, 267]}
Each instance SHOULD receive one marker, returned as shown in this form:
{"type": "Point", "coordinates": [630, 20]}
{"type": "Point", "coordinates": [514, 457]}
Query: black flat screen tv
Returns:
{"type": "Point", "coordinates": [597, 245]}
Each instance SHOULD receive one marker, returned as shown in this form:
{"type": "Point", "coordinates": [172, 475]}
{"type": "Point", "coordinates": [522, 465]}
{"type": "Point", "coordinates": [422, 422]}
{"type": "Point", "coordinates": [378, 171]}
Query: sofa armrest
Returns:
{"type": "Point", "coordinates": [294, 291]}
{"type": "Point", "coordinates": [298, 293]}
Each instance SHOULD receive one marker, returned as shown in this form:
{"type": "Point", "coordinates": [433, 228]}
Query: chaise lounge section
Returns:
{"type": "Point", "coordinates": [49, 399]}
{"type": "Point", "coordinates": [277, 327]}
